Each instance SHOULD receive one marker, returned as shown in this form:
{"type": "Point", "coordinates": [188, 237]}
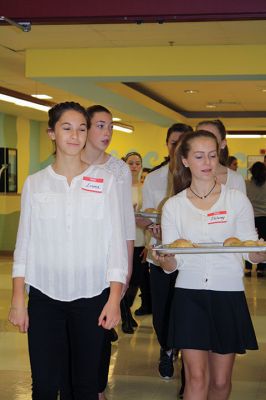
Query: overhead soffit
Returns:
{"type": "Point", "coordinates": [160, 86]}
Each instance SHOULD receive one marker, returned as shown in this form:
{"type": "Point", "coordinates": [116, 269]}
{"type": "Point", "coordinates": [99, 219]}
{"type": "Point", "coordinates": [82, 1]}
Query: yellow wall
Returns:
{"type": "Point", "coordinates": [241, 148]}
{"type": "Point", "coordinates": [147, 139]}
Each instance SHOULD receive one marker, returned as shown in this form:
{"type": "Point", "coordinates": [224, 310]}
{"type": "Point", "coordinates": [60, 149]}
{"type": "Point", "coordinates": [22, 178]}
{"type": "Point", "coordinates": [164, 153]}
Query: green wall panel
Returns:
{"type": "Point", "coordinates": [8, 230]}
{"type": "Point", "coordinates": [34, 165]}
{"type": "Point", "coordinates": [2, 137]}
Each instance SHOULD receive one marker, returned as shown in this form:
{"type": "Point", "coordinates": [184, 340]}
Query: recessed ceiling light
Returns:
{"type": "Point", "coordinates": [191, 91]}
{"type": "Point", "coordinates": [210, 106]}
{"type": "Point", "coordinates": [42, 96]}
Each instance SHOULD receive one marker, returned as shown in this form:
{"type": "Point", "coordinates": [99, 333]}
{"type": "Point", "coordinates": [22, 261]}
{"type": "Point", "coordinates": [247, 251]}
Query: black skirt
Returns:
{"type": "Point", "coordinates": [210, 320]}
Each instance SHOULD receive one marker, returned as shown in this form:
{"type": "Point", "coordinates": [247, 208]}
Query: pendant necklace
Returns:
{"type": "Point", "coordinates": [206, 195]}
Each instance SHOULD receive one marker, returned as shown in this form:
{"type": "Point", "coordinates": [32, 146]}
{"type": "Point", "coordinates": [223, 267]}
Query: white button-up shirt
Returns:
{"type": "Point", "coordinates": [70, 242]}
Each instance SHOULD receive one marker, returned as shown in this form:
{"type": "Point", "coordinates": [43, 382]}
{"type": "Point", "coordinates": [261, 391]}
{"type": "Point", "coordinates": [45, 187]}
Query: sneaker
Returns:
{"type": "Point", "coordinates": [166, 367]}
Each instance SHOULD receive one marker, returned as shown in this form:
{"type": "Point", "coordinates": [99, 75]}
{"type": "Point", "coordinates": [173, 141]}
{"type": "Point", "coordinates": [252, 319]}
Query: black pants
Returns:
{"type": "Point", "coordinates": [140, 274]}
{"type": "Point", "coordinates": [162, 291]}
{"type": "Point", "coordinates": [65, 330]}
{"type": "Point", "coordinates": [138, 279]}
{"type": "Point", "coordinates": [260, 223]}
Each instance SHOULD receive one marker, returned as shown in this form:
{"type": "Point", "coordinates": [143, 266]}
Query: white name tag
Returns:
{"type": "Point", "coordinates": [218, 217]}
{"type": "Point", "coordinates": [92, 184]}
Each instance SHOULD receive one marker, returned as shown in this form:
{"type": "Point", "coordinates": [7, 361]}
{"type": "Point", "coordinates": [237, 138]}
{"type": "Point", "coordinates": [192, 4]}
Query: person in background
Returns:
{"type": "Point", "coordinates": [99, 137]}
{"type": "Point", "coordinates": [209, 318]}
{"type": "Point", "coordinates": [224, 175]}
{"type": "Point", "coordinates": [256, 192]}
{"type": "Point", "coordinates": [144, 173]}
{"type": "Point", "coordinates": [157, 187]}
{"type": "Point", "coordinates": [75, 282]}
{"type": "Point", "coordinates": [140, 273]}
{"type": "Point", "coordinates": [232, 163]}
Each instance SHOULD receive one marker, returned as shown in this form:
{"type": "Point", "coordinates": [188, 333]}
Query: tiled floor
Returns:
{"type": "Point", "coordinates": [133, 372]}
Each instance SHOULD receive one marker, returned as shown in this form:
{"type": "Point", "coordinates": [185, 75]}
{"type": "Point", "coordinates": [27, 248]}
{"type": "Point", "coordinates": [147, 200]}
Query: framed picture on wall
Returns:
{"type": "Point", "coordinates": [251, 160]}
{"type": "Point", "coordinates": [8, 170]}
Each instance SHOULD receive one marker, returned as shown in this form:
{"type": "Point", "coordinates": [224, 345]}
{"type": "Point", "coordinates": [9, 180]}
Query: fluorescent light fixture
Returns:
{"type": "Point", "coordinates": [123, 127]}
{"type": "Point", "coordinates": [23, 103]}
{"type": "Point", "coordinates": [116, 119]}
{"type": "Point", "coordinates": [42, 96]}
{"type": "Point", "coordinates": [230, 136]}
{"type": "Point", "coordinates": [210, 106]}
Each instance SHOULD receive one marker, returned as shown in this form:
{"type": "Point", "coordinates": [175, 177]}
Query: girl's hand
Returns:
{"type": "Point", "coordinates": [257, 257]}
{"type": "Point", "coordinates": [110, 315]}
{"type": "Point", "coordinates": [166, 261]}
{"type": "Point", "coordinates": [18, 316]}
{"type": "Point", "coordinates": [155, 230]}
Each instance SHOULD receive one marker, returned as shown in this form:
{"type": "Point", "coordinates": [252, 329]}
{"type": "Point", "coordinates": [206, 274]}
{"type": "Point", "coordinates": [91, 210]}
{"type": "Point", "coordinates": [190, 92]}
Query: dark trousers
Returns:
{"type": "Point", "coordinates": [260, 223]}
{"type": "Point", "coordinates": [61, 331]}
{"type": "Point", "coordinates": [139, 277]}
{"type": "Point", "coordinates": [162, 291]}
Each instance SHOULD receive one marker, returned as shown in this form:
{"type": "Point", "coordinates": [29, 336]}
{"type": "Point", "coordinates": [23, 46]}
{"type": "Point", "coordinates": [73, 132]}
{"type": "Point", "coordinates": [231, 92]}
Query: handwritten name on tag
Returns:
{"type": "Point", "coordinates": [218, 217]}
{"type": "Point", "coordinates": [92, 184]}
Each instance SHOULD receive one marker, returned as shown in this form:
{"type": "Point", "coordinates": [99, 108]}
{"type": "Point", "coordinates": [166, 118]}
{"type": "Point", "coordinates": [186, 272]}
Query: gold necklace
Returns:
{"type": "Point", "coordinates": [206, 195]}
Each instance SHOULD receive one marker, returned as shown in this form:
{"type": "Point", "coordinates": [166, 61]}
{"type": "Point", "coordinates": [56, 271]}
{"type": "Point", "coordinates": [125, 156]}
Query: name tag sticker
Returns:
{"type": "Point", "coordinates": [218, 217]}
{"type": "Point", "coordinates": [92, 184]}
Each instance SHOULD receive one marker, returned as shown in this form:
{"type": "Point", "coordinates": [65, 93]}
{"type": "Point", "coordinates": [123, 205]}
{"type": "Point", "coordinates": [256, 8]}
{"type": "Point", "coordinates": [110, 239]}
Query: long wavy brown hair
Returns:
{"type": "Point", "coordinates": [182, 175]}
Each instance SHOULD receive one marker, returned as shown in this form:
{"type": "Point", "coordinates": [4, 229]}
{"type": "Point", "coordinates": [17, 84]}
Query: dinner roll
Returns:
{"type": "Point", "coordinates": [151, 210]}
{"type": "Point", "coordinates": [232, 241]}
{"type": "Point", "coordinates": [250, 243]}
{"type": "Point", "coordinates": [181, 243]}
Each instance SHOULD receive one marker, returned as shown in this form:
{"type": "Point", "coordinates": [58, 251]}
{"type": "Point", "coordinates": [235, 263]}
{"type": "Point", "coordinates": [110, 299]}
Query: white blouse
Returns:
{"type": "Point", "coordinates": [70, 242]}
{"type": "Point", "coordinates": [123, 176]}
{"type": "Point", "coordinates": [231, 215]}
{"type": "Point", "coordinates": [235, 181]}
{"type": "Point", "coordinates": [155, 187]}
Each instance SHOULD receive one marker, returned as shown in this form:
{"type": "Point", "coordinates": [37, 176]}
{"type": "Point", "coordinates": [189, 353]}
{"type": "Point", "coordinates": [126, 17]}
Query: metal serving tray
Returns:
{"type": "Point", "coordinates": [207, 248]}
{"type": "Point", "coordinates": [143, 214]}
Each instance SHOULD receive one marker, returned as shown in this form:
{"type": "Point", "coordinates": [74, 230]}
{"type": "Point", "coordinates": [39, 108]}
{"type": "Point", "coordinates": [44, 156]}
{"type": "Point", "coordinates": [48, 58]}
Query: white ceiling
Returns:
{"type": "Point", "coordinates": [230, 95]}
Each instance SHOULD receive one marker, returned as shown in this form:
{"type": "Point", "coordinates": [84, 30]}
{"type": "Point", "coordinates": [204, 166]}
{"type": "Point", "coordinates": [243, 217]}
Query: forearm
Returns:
{"type": "Point", "coordinates": [18, 295]}
{"type": "Point", "coordinates": [115, 291]}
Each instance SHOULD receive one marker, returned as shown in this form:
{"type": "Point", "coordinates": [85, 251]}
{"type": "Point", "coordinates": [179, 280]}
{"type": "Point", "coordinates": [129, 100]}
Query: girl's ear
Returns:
{"type": "Point", "coordinates": [51, 134]}
{"type": "Point", "coordinates": [184, 161]}
{"type": "Point", "coordinates": [223, 144]}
